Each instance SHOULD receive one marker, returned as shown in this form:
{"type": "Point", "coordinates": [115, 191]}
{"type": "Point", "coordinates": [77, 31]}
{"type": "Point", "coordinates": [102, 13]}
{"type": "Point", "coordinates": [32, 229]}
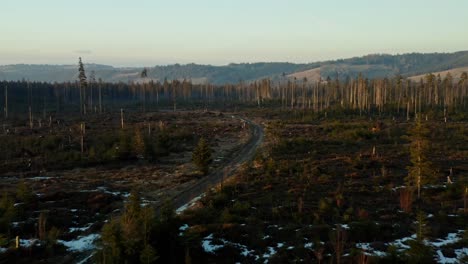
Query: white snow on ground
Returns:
{"type": "Point", "coordinates": [345, 226]}
{"type": "Point", "coordinates": [369, 251]}
{"type": "Point", "coordinates": [308, 245]}
{"type": "Point", "coordinates": [461, 253]}
{"type": "Point", "coordinates": [398, 187]}
{"type": "Point", "coordinates": [450, 239]}
{"type": "Point", "coordinates": [3, 250]}
{"type": "Point", "coordinates": [39, 178]}
{"type": "Point", "coordinates": [244, 250]}
{"type": "Point", "coordinates": [82, 243]}
{"type": "Point", "coordinates": [103, 189]}
{"type": "Point", "coordinates": [280, 245]}
{"type": "Point", "coordinates": [189, 204]}
{"type": "Point", "coordinates": [28, 242]}
{"type": "Point", "coordinates": [400, 243]}
{"type": "Point", "coordinates": [74, 229]}
{"type": "Point", "coordinates": [442, 259]}
{"type": "Point", "coordinates": [16, 224]}
{"type": "Point", "coordinates": [182, 229]}
{"type": "Point", "coordinates": [208, 247]}
{"type": "Point", "coordinates": [269, 254]}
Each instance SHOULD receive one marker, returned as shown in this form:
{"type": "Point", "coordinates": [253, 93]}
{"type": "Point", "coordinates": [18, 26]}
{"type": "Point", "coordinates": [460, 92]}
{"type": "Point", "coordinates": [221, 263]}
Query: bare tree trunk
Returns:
{"type": "Point", "coordinates": [30, 118]}
{"type": "Point", "coordinates": [465, 203]}
{"type": "Point", "coordinates": [81, 101]}
{"type": "Point", "coordinates": [82, 132]}
{"type": "Point", "coordinates": [100, 98]}
{"type": "Point", "coordinates": [121, 118]}
{"type": "Point", "coordinates": [6, 102]}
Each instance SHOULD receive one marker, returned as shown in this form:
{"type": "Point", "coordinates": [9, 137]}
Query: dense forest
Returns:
{"type": "Point", "coordinates": [397, 96]}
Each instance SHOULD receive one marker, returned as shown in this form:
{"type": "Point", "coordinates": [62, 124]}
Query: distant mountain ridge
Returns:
{"type": "Point", "coordinates": [371, 66]}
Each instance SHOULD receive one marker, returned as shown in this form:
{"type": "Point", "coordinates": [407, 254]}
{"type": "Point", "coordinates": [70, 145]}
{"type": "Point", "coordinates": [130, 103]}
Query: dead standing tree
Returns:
{"type": "Point", "coordinates": [6, 102]}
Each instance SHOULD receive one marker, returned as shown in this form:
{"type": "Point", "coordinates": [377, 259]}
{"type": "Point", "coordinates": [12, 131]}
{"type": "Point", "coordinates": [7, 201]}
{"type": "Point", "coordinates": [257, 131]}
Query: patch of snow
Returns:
{"type": "Point", "coordinates": [430, 215]}
{"type": "Point", "coordinates": [265, 237]}
{"type": "Point", "coordinates": [363, 246]}
{"type": "Point", "coordinates": [182, 229]}
{"type": "Point", "coordinates": [82, 229]}
{"type": "Point", "coordinates": [104, 190]}
{"type": "Point", "coordinates": [83, 243]}
{"type": "Point", "coordinates": [280, 245]}
{"type": "Point", "coordinates": [269, 254]}
{"type": "Point", "coordinates": [400, 243]}
{"type": "Point", "coordinates": [442, 259]}
{"type": "Point", "coordinates": [208, 247]}
{"type": "Point", "coordinates": [290, 248]}
{"type": "Point", "coordinates": [451, 238]}
{"type": "Point", "coordinates": [369, 251]}
{"type": "Point", "coordinates": [3, 250]}
{"type": "Point", "coordinates": [244, 250]}
{"type": "Point", "coordinates": [39, 178]}
{"type": "Point", "coordinates": [189, 204]}
{"type": "Point", "coordinates": [345, 226]}
{"type": "Point", "coordinates": [73, 210]}
{"type": "Point", "coordinates": [16, 224]}
{"type": "Point", "coordinates": [461, 253]}
{"type": "Point", "coordinates": [398, 187]}
{"type": "Point", "coordinates": [28, 242]}
{"type": "Point", "coordinates": [308, 245]}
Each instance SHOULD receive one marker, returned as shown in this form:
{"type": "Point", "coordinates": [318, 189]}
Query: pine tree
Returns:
{"type": "Point", "coordinates": [201, 156]}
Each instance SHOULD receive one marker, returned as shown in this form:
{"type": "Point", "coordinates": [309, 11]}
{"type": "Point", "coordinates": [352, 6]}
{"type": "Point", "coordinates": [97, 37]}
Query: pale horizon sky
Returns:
{"type": "Point", "coordinates": [218, 32]}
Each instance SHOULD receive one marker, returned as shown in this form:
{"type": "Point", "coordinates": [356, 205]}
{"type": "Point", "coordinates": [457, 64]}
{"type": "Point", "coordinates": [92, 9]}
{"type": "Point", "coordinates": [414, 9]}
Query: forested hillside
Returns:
{"type": "Point", "coordinates": [371, 66]}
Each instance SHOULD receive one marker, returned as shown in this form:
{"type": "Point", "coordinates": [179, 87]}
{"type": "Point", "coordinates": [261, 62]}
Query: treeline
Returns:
{"type": "Point", "coordinates": [396, 96]}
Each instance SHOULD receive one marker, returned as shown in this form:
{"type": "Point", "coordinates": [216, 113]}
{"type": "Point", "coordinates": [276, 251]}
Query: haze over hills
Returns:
{"type": "Point", "coordinates": [371, 66]}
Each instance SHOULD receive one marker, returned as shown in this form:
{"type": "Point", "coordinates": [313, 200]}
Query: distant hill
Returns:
{"type": "Point", "coordinates": [371, 66]}
{"type": "Point", "coordinates": [456, 74]}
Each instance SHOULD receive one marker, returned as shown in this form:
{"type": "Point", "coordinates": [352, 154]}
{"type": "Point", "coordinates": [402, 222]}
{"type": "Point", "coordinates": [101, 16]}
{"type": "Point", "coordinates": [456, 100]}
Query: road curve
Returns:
{"type": "Point", "coordinates": [216, 177]}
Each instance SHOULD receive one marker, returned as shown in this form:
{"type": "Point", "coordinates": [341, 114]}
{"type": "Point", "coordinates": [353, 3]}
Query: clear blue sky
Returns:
{"type": "Point", "coordinates": [150, 32]}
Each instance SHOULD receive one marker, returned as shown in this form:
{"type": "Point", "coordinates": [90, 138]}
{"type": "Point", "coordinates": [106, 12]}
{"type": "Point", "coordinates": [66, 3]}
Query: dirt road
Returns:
{"type": "Point", "coordinates": [216, 177]}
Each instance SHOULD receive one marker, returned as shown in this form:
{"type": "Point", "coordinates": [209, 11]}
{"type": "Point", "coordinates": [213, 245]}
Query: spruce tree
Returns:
{"type": "Point", "coordinates": [201, 156]}
{"type": "Point", "coordinates": [83, 84]}
{"type": "Point", "coordinates": [420, 171]}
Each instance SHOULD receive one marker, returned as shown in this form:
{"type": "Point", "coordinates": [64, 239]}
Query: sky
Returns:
{"type": "Point", "coordinates": [218, 32]}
